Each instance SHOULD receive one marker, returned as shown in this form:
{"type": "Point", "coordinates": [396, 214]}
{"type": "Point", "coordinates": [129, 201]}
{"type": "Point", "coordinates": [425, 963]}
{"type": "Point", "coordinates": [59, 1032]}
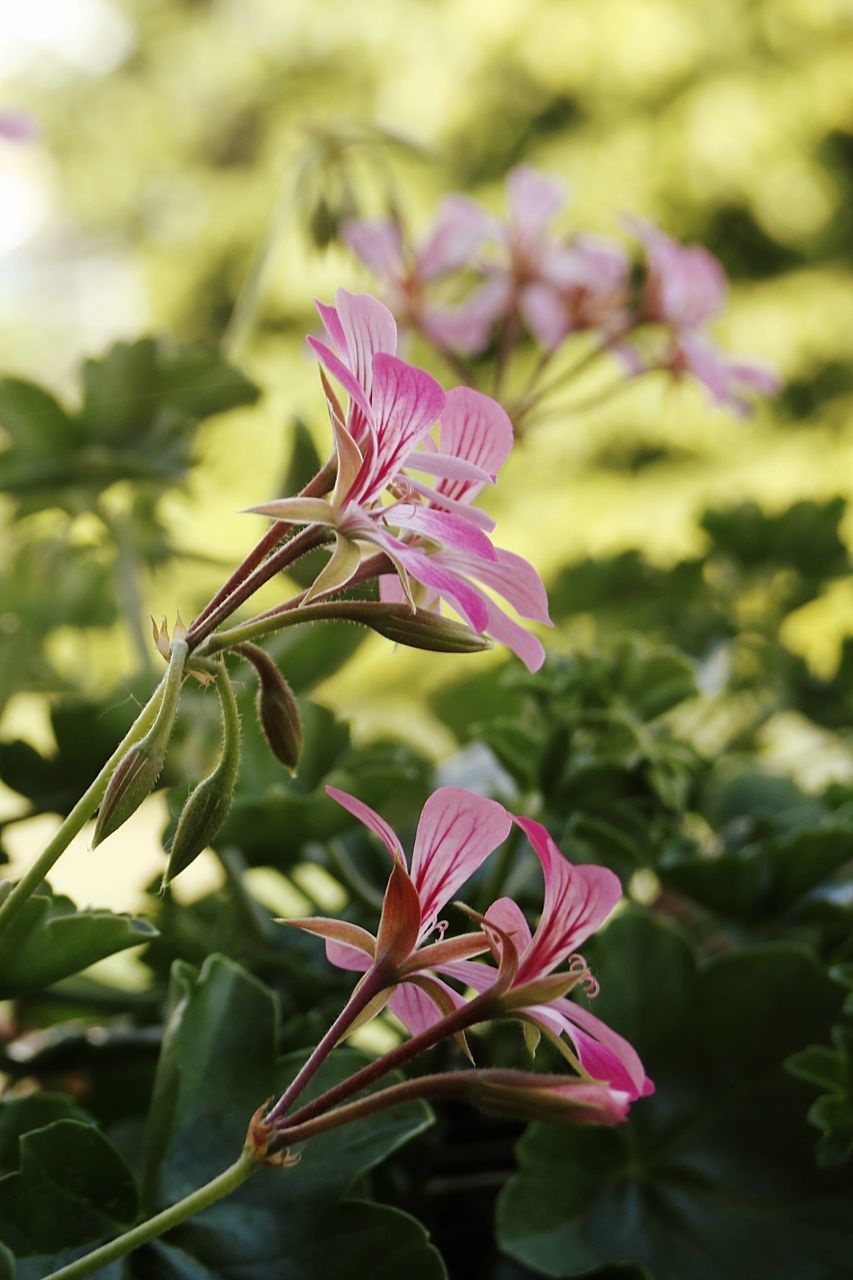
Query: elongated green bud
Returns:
{"type": "Point", "coordinates": [278, 710]}
{"type": "Point", "coordinates": [208, 804]}
{"type": "Point", "coordinates": [136, 774]}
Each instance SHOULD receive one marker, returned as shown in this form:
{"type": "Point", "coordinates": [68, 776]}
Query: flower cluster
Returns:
{"type": "Point", "coordinates": [408, 962]}
{"type": "Point", "coordinates": [408, 494]}
{"type": "Point", "coordinates": [478, 279]}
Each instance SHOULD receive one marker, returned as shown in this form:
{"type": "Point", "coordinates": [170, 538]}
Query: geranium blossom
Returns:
{"type": "Point", "coordinates": [431, 534]}
{"type": "Point", "coordinates": [456, 833]}
{"type": "Point", "coordinates": [684, 290]}
{"type": "Point", "coordinates": [578, 899]}
{"type": "Point", "coordinates": [407, 275]}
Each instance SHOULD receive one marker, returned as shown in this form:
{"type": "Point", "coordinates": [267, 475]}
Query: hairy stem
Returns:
{"type": "Point", "coordinates": [192, 1204]}
{"type": "Point", "coordinates": [79, 815]}
{"type": "Point", "coordinates": [315, 488]}
{"type": "Point", "coordinates": [309, 538]}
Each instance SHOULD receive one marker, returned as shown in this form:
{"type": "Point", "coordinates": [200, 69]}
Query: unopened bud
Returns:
{"type": "Point", "coordinates": [132, 782]}
{"type": "Point", "coordinates": [419, 628]}
{"type": "Point", "coordinates": [203, 814]}
{"type": "Point", "coordinates": [278, 710]}
{"type": "Point", "coordinates": [208, 804]}
{"type": "Point", "coordinates": [527, 1096]}
{"type": "Point", "coordinates": [136, 774]}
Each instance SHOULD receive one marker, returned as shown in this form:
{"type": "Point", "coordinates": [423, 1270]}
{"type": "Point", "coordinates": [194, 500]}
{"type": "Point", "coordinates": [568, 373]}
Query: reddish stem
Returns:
{"type": "Point", "coordinates": [315, 488]}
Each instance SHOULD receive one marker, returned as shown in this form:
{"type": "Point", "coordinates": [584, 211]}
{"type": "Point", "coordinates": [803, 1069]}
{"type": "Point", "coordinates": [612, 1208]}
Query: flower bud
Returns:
{"type": "Point", "coordinates": [136, 774]}
{"type": "Point", "coordinates": [203, 814]}
{"type": "Point", "coordinates": [208, 804]}
{"type": "Point", "coordinates": [527, 1096]}
{"type": "Point", "coordinates": [419, 628]}
{"type": "Point", "coordinates": [278, 710]}
{"type": "Point", "coordinates": [132, 781]}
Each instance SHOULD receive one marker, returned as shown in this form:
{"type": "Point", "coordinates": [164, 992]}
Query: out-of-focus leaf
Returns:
{"type": "Point", "coordinates": [712, 1175]}
{"type": "Point", "coordinates": [831, 1069]}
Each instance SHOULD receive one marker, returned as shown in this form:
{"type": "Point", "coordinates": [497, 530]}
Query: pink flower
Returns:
{"type": "Point", "coordinates": [578, 900]}
{"type": "Point", "coordinates": [456, 833]}
{"type": "Point", "coordinates": [685, 289]}
{"type": "Point", "coordinates": [586, 287]}
{"type": "Point", "coordinates": [685, 285]}
{"type": "Point", "coordinates": [725, 378]}
{"type": "Point", "coordinates": [459, 227]}
{"type": "Point", "coordinates": [432, 535]}
{"type": "Point", "coordinates": [17, 126]}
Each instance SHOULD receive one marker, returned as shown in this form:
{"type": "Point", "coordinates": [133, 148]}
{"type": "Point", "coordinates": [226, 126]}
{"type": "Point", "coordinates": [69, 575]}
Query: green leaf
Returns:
{"type": "Point", "coordinates": [217, 1067]}
{"type": "Point", "coordinates": [50, 939]}
{"type": "Point", "coordinates": [712, 1176]}
{"type": "Point", "coordinates": [36, 423]}
{"type": "Point", "coordinates": [33, 1111]}
{"type": "Point", "coordinates": [72, 1191]}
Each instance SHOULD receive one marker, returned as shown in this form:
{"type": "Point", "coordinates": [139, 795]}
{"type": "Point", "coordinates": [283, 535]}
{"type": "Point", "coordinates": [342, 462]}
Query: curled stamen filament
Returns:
{"type": "Point", "coordinates": [579, 967]}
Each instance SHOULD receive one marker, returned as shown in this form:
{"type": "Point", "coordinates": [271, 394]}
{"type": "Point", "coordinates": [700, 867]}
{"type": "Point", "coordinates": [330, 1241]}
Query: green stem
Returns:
{"type": "Point", "coordinates": [361, 611]}
{"type": "Point", "coordinates": [79, 815]}
{"type": "Point", "coordinates": [192, 1204]}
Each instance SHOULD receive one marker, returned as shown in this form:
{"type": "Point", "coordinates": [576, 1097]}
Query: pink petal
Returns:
{"type": "Point", "coordinates": [447, 467]}
{"type": "Point", "coordinates": [438, 499]}
{"type": "Point", "coordinates": [343, 956]}
{"type": "Point", "coordinates": [446, 583]}
{"type": "Point", "coordinates": [332, 325]}
{"type": "Point", "coordinates": [545, 314]}
{"type": "Point", "coordinates": [445, 529]}
{"type": "Point", "coordinates": [369, 328]}
{"type": "Point", "coordinates": [534, 200]}
{"type": "Point", "coordinates": [339, 370]}
{"type": "Point", "coordinates": [460, 226]}
{"type": "Point", "coordinates": [475, 428]}
{"type": "Point", "coordinates": [511, 576]}
{"type": "Point", "coordinates": [406, 403]}
{"type": "Point", "coordinates": [526, 647]}
{"type": "Point", "coordinates": [415, 1009]}
{"type": "Point", "coordinates": [371, 819]}
{"type": "Point", "coordinates": [602, 1052]}
{"type": "Point", "coordinates": [456, 833]}
{"type": "Point", "coordinates": [18, 126]}
{"type": "Point", "coordinates": [508, 915]}
{"type": "Point", "coordinates": [377, 242]}
{"type": "Point", "coordinates": [578, 899]}
{"type": "Point", "coordinates": [466, 329]}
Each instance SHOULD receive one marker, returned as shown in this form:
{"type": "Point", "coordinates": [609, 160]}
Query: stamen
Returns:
{"type": "Point", "coordinates": [580, 969]}
{"type": "Point", "coordinates": [441, 927]}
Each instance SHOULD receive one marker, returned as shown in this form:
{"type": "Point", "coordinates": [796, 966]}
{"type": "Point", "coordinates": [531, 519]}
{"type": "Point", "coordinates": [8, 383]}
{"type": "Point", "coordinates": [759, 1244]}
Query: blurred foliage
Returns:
{"type": "Point", "coordinates": [692, 728]}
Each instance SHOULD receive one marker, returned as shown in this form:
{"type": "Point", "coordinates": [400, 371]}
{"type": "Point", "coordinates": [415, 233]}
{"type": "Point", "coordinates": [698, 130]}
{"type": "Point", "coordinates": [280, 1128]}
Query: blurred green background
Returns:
{"type": "Point", "coordinates": [181, 138]}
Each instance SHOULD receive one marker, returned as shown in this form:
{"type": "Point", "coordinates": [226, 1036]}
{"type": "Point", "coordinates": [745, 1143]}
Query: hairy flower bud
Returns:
{"type": "Point", "coordinates": [208, 804]}
{"type": "Point", "coordinates": [132, 781]}
{"type": "Point", "coordinates": [278, 710]}
{"type": "Point", "coordinates": [418, 628]}
{"type": "Point", "coordinates": [136, 774]}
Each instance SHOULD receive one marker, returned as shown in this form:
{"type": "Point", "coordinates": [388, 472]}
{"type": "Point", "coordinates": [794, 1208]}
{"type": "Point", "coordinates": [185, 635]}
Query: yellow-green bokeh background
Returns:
{"type": "Point", "coordinates": [171, 133]}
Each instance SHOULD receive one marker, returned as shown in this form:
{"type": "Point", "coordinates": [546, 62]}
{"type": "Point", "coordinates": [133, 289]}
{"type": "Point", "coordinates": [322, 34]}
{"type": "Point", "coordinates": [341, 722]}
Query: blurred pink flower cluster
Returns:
{"type": "Point", "coordinates": [477, 281]}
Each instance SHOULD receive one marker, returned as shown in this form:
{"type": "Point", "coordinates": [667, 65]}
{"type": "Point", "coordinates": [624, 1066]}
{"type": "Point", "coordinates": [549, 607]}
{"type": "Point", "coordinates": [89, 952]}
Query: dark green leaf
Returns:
{"type": "Point", "coordinates": [50, 939]}
{"type": "Point", "coordinates": [712, 1176]}
{"type": "Point", "coordinates": [73, 1189]}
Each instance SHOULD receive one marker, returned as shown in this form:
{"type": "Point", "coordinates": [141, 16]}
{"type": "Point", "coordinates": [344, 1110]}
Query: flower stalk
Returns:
{"type": "Point", "coordinates": [196, 1202]}
{"type": "Point", "coordinates": [78, 817]}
